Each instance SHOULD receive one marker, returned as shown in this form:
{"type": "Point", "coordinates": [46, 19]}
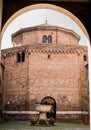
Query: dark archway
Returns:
{"type": "Point", "coordinates": [50, 101]}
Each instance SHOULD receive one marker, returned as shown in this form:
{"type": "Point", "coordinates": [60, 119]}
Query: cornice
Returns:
{"type": "Point", "coordinates": [41, 48]}
{"type": "Point", "coordinates": [46, 27]}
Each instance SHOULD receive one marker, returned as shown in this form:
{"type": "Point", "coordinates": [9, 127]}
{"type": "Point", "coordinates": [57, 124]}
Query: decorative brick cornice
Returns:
{"type": "Point", "coordinates": [44, 48]}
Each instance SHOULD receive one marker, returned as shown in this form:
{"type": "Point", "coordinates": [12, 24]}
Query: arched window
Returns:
{"type": "Point", "coordinates": [44, 39]}
{"type": "Point", "coordinates": [84, 57]}
{"type": "Point", "coordinates": [18, 57]}
{"type": "Point", "coordinates": [49, 39]}
{"type": "Point", "coordinates": [23, 57]}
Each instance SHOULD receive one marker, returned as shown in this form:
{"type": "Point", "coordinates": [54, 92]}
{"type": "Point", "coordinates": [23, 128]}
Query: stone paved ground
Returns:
{"type": "Point", "coordinates": [23, 125]}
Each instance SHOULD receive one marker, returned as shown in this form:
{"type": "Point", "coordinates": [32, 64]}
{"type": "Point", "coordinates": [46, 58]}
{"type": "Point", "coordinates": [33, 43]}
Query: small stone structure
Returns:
{"type": "Point", "coordinates": [43, 109]}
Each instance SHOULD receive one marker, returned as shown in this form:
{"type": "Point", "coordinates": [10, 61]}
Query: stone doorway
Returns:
{"type": "Point", "coordinates": [50, 101]}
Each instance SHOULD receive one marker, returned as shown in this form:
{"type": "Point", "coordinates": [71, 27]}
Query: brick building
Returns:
{"type": "Point", "coordinates": [1, 82]}
{"type": "Point", "coordinates": [46, 65]}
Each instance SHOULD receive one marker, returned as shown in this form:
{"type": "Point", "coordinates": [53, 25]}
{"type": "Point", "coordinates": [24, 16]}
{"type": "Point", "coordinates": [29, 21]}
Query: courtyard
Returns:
{"type": "Point", "coordinates": [25, 125]}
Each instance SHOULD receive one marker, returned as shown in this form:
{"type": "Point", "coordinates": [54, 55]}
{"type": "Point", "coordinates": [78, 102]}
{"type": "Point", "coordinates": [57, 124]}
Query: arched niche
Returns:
{"type": "Point", "coordinates": [50, 101]}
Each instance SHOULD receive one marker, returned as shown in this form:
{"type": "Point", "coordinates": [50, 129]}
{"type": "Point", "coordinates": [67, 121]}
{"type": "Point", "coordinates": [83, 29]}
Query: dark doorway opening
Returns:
{"type": "Point", "coordinates": [50, 101]}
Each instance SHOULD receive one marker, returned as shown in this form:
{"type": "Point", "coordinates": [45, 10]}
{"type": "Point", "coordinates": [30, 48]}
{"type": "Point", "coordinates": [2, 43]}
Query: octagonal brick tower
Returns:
{"type": "Point", "coordinates": [45, 65]}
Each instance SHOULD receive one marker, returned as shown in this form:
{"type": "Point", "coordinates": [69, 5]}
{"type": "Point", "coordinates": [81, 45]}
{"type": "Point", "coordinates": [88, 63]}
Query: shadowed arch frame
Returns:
{"type": "Point", "coordinates": [45, 6]}
{"type": "Point", "coordinates": [50, 101]}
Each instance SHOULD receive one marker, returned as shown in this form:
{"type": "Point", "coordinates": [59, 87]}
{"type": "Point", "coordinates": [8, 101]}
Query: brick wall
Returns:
{"type": "Point", "coordinates": [57, 77]}
{"type": "Point", "coordinates": [58, 74]}
{"type": "Point", "coordinates": [15, 83]}
{"type": "Point", "coordinates": [56, 70]}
